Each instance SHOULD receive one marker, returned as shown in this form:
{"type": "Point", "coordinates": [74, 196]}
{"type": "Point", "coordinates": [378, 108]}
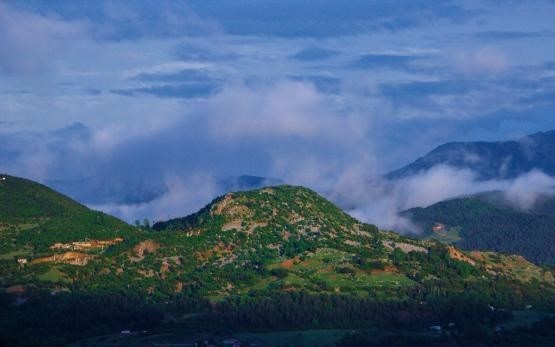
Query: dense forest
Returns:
{"type": "Point", "coordinates": [488, 221]}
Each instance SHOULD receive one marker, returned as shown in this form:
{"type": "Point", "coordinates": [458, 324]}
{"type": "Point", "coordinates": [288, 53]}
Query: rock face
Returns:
{"type": "Point", "coordinates": [86, 245]}
{"type": "Point", "coordinates": [72, 258]}
{"type": "Point", "coordinates": [147, 246]}
{"type": "Point", "coordinates": [458, 255]}
{"type": "Point", "coordinates": [144, 247]}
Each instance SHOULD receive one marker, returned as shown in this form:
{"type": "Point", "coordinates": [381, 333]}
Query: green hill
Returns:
{"type": "Point", "coordinates": [33, 217]}
{"type": "Point", "coordinates": [488, 221]}
{"type": "Point", "coordinates": [290, 238]}
{"type": "Point", "coordinates": [275, 258]}
{"type": "Point", "coordinates": [24, 200]}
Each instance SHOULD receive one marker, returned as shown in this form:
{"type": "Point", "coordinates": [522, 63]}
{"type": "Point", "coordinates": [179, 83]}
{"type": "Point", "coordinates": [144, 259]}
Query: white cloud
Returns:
{"type": "Point", "coordinates": [485, 60]}
{"type": "Point", "coordinates": [286, 109]}
{"type": "Point", "coordinates": [32, 42]}
{"type": "Point", "coordinates": [184, 196]}
{"type": "Point", "coordinates": [525, 190]}
{"type": "Point", "coordinates": [383, 200]}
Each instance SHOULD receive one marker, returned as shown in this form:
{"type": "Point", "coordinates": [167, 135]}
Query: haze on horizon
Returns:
{"type": "Point", "coordinates": [171, 97]}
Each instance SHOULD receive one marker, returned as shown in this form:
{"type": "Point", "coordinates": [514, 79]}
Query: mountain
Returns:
{"type": "Point", "coordinates": [275, 258]}
{"type": "Point", "coordinates": [491, 221]}
{"type": "Point", "coordinates": [490, 160]}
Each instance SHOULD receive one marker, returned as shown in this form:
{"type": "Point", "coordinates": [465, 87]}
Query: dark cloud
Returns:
{"type": "Point", "coordinates": [423, 89]}
{"type": "Point", "coordinates": [196, 52]}
{"type": "Point", "coordinates": [313, 54]}
{"type": "Point", "coordinates": [183, 90]}
{"type": "Point", "coordinates": [391, 61]}
{"type": "Point", "coordinates": [124, 20]}
{"type": "Point", "coordinates": [186, 75]}
{"type": "Point", "coordinates": [93, 91]}
{"type": "Point", "coordinates": [496, 35]}
{"type": "Point", "coordinates": [118, 20]}
{"type": "Point", "coordinates": [291, 18]}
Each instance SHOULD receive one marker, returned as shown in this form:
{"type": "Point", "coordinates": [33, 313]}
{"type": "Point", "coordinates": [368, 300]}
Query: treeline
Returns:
{"type": "Point", "coordinates": [541, 333]}
{"type": "Point", "coordinates": [300, 310]}
{"type": "Point", "coordinates": [65, 317]}
{"type": "Point", "coordinates": [51, 320]}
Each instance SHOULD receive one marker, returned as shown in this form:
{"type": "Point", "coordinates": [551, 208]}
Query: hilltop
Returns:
{"type": "Point", "coordinates": [489, 160]}
{"type": "Point", "coordinates": [290, 238]}
{"type": "Point", "coordinates": [33, 217]}
{"type": "Point", "coordinates": [25, 200]}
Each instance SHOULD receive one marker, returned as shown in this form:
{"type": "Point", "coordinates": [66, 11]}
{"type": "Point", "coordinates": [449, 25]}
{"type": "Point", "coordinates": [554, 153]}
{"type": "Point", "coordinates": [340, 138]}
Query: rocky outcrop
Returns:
{"type": "Point", "coordinates": [72, 258]}
{"type": "Point", "coordinates": [86, 245]}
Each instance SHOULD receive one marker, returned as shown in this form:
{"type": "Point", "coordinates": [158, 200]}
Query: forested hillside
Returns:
{"type": "Point", "coordinates": [33, 217]}
{"type": "Point", "coordinates": [488, 221]}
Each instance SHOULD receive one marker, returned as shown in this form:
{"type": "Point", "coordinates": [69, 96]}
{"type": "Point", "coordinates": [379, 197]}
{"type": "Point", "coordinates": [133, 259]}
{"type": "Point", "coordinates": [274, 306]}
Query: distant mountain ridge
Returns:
{"type": "Point", "coordinates": [489, 160]}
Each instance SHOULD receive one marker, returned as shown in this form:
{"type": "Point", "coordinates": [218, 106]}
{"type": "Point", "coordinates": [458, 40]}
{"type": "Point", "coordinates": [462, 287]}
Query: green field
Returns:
{"type": "Point", "coordinates": [53, 275]}
{"type": "Point", "coordinates": [450, 236]}
{"type": "Point", "coordinates": [23, 252]}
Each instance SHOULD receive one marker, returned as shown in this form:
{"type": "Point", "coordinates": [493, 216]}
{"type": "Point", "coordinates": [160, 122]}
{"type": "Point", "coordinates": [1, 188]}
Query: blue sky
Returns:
{"type": "Point", "coordinates": [178, 94]}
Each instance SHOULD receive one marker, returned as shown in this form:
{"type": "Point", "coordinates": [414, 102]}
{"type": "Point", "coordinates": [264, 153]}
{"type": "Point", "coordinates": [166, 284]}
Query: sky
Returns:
{"type": "Point", "coordinates": [155, 102]}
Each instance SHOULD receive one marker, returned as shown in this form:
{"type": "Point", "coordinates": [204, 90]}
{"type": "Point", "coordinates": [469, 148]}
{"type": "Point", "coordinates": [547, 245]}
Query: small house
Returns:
{"type": "Point", "coordinates": [22, 261]}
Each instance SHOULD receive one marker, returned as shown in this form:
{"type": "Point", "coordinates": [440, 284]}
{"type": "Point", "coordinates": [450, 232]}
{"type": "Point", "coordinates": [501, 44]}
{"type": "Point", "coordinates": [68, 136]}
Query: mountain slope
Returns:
{"type": "Point", "coordinates": [490, 221]}
{"type": "Point", "coordinates": [284, 237]}
{"type": "Point", "coordinates": [33, 217]}
{"type": "Point", "coordinates": [490, 160]}
{"type": "Point", "coordinates": [23, 199]}
{"type": "Point", "coordinates": [272, 258]}
{"type": "Point", "coordinates": [290, 237]}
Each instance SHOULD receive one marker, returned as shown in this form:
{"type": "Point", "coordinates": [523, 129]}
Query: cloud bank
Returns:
{"type": "Point", "coordinates": [142, 108]}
